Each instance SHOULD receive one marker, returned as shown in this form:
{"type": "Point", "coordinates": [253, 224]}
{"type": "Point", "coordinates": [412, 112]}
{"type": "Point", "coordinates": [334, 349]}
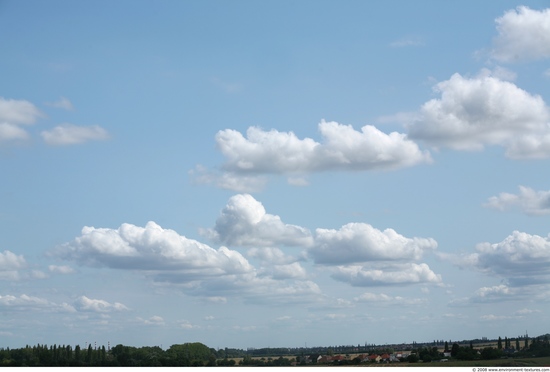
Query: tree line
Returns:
{"type": "Point", "coordinates": [198, 354]}
{"type": "Point", "coordinates": [189, 354]}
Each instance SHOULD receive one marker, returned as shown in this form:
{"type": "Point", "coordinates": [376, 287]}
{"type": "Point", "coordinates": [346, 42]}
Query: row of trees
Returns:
{"type": "Point", "coordinates": [55, 355]}
{"type": "Point", "coordinates": [190, 354]}
{"type": "Point", "coordinates": [538, 347]}
{"type": "Point", "coordinates": [198, 354]}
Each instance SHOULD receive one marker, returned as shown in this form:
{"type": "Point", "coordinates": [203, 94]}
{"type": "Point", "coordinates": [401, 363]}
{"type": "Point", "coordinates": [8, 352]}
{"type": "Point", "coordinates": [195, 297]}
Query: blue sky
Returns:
{"type": "Point", "coordinates": [275, 173]}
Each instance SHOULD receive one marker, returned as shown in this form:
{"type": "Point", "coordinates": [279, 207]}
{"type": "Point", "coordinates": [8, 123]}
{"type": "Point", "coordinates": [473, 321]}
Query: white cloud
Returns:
{"type": "Point", "coordinates": [530, 146]}
{"type": "Point", "coordinates": [297, 181]}
{"type": "Point", "coordinates": [523, 35]}
{"type": "Point", "coordinates": [10, 265]}
{"type": "Point", "coordinates": [31, 303]}
{"type": "Point", "coordinates": [343, 148]}
{"type": "Point", "coordinates": [228, 180]}
{"type": "Point", "coordinates": [499, 72]}
{"type": "Point", "coordinates": [11, 132]}
{"type": "Point", "coordinates": [244, 328]}
{"type": "Point", "coordinates": [493, 294]}
{"type": "Point", "coordinates": [61, 269]}
{"type": "Point", "coordinates": [267, 290]}
{"type": "Point", "coordinates": [407, 41]}
{"type": "Point", "coordinates": [384, 299]}
{"type": "Point", "coordinates": [277, 264]}
{"type": "Point", "coordinates": [492, 317]}
{"type": "Point", "coordinates": [271, 255]}
{"type": "Point", "coordinates": [14, 113]}
{"type": "Point", "coordinates": [244, 222]}
{"type": "Point", "coordinates": [98, 306]}
{"type": "Point", "coordinates": [18, 111]}
{"type": "Point", "coordinates": [11, 261]}
{"type": "Point", "coordinates": [62, 103]}
{"type": "Point", "coordinates": [406, 118]}
{"type": "Point", "coordinates": [484, 110]}
{"type": "Point", "coordinates": [529, 201]}
{"type": "Point", "coordinates": [216, 299]}
{"type": "Point", "coordinates": [526, 311]}
{"type": "Point", "coordinates": [69, 134]}
{"type": "Point", "coordinates": [37, 274]}
{"type": "Point", "coordinates": [151, 248]}
{"type": "Point", "coordinates": [521, 258]}
{"type": "Point", "coordinates": [290, 271]}
{"type": "Point", "coordinates": [185, 324]}
{"type": "Point", "coordinates": [283, 318]}
{"type": "Point", "coordinates": [171, 259]}
{"type": "Point", "coordinates": [360, 242]}
{"type": "Point", "coordinates": [154, 320]}
{"type": "Point", "coordinates": [361, 276]}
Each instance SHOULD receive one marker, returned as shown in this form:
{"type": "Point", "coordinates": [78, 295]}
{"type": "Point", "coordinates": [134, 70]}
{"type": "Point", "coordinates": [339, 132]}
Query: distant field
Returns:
{"type": "Point", "coordinates": [510, 362]}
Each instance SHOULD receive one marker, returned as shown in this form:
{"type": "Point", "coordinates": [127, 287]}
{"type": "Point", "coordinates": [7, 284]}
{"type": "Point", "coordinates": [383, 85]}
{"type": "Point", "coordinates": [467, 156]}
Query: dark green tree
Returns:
{"type": "Point", "coordinates": [490, 353]}
{"type": "Point", "coordinates": [499, 344]}
{"type": "Point", "coordinates": [103, 355]}
{"type": "Point", "coordinates": [89, 355]}
{"type": "Point", "coordinates": [77, 355]}
{"type": "Point", "coordinates": [455, 349]}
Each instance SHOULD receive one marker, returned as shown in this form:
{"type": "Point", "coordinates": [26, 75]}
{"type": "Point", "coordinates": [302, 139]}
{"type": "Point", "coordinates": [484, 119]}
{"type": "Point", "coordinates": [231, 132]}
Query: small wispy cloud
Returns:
{"type": "Point", "coordinates": [69, 134]}
{"type": "Point", "coordinates": [227, 87]}
{"type": "Point", "coordinates": [61, 269]}
{"type": "Point", "coordinates": [408, 41]}
{"type": "Point", "coordinates": [154, 321]}
{"type": "Point", "coordinates": [529, 201]}
{"type": "Point", "coordinates": [62, 103]}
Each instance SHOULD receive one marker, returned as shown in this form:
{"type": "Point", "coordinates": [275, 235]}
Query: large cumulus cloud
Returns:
{"type": "Point", "coordinates": [523, 35]}
{"type": "Point", "coordinates": [151, 248]}
{"type": "Point", "coordinates": [361, 242]}
{"type": "Point", "coordinates": [244, 222]}
{"type": "Point", "coordinates": [375, 257]}
{"type": "Point", "coordinates": [364, 256]}
{"type": "Point", "coordinates": [521, 258]}
{"type": "Point", "coordinates": [529, 201]}
{"type": "Point", "coordinates": [166, 257]}
{"type": "Point", "coordinates": [485, 110]}
{"type": "Point", "coordinates": [343, 148]}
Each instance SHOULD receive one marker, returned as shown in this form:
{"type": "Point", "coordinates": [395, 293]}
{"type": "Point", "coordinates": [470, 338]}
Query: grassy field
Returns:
{"type": "Point", "coordinates": [509, 362]}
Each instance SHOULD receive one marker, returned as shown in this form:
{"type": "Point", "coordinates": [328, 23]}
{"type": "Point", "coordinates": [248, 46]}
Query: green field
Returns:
{"type": "Point", "coordinates": [509, 362]}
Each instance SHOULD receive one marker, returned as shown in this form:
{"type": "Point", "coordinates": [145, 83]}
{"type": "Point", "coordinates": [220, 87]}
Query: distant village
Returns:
{"type": "Point", "coordinates": [436, 351]}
